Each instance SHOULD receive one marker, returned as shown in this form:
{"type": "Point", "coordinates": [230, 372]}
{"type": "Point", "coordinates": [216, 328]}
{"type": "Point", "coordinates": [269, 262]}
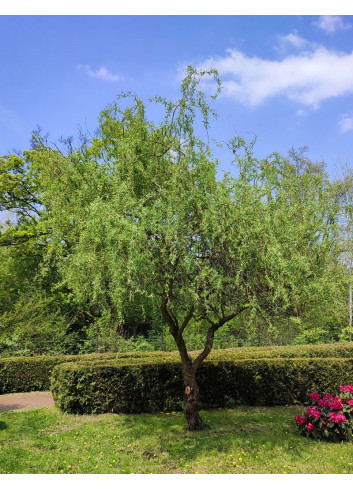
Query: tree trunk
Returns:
{"type": "Point", "coordinates": [191, 399]}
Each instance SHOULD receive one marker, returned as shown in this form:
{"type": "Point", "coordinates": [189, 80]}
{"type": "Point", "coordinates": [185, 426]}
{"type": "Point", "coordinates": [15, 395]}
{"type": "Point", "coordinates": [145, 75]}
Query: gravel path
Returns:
{"type": "Point", "coordinates": [26, 400]}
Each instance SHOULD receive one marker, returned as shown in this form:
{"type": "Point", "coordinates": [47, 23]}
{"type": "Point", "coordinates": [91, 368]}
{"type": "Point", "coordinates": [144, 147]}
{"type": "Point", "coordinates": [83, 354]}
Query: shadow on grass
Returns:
{"type": "Point", "coordinates": [3, 425]}
{"type": "Point", "coordinates": [237, 428]}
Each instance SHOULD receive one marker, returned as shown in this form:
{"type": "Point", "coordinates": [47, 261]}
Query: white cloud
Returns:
{"type": "Point", "coordinates": [346, 123]}
{"type": "Point", "coordinates": [307, 78]}
{"type": "Point", "coordinates": [101, 73]}
{"type": "Point", "coordinates": [291, 39]}
{"type": "Point", "coordinates": [331, 23]}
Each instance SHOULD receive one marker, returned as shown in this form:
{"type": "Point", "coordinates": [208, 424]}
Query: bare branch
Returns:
{"type": "Point", "coordinates": [186, 321]}
{"type": "Point", "coordinates": [210, 337]}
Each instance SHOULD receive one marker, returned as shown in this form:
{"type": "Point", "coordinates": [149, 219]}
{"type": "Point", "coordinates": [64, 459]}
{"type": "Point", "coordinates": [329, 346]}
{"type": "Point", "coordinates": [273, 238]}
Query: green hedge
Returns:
{"type": "Point", "coordinates": [332, 350]}
{"type": "Point", "coordinates": [99, 387]}
{"type": "Point", "coordinates": [24, 374]}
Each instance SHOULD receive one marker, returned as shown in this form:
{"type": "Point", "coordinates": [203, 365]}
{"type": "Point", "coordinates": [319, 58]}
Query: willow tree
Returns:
{"type": "Point", "coordinates": [147, 214]}
{"type": "Point", "coordinates": [344, 195]}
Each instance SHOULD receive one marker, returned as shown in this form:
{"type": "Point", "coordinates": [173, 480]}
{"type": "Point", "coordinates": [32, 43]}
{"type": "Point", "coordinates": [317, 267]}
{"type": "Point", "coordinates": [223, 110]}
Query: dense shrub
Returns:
{"type": "Point", "coordinates": [328, 417]}
{"type": "Point", "coordinates": [331, 350]}
{"type": "Point", "coordinates": [154, 385]}
{"type": "Point", "coordinates": [23, 374]}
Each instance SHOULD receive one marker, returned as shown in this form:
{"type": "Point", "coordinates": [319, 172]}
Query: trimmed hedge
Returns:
{"type": "Point", "coordinates": [329, 350]}
{"type": "Point", "coordinates": [24, 374]}
{"type": "Point", "coordinates": [115, 386]}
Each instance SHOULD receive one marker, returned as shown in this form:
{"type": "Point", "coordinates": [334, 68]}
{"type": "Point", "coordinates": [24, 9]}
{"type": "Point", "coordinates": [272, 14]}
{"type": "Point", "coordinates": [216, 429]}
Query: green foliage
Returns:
{"type": "Point", "coordinates": [157, 385]}
{"type": "Point", "coordinates": [26, 374]}
{"type": "Point", "coordinates": [20, 195]}
{"type": "Point", "coordinates": [34, 323]}
{"type": "Point", "coordinates": [315, 335]}
{"type": "Point", "coordinates": [138, 231]}
{"type": "Point", "coordinates": [142, 215]}
{"type": "Point", "coordinates": [18, 269]}
{"type": "Point", "coordinates": [23, 374]}
{"type": "Point", "coordinates": [334, 350]}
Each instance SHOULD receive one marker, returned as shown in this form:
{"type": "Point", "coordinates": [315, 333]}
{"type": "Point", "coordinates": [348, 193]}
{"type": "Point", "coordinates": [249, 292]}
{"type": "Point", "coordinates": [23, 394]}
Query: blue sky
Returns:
{"type": "Point", "coordinates": [286, 79]}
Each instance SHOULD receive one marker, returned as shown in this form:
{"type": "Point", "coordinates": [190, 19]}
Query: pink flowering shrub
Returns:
{"type": "Point", "coordinates": [328, 417]}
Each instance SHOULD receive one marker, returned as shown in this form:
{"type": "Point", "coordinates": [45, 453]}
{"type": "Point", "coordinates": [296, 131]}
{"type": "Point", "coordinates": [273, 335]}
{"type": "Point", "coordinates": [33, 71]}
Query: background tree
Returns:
{"type": "Point", "coordinates": [343, 189]}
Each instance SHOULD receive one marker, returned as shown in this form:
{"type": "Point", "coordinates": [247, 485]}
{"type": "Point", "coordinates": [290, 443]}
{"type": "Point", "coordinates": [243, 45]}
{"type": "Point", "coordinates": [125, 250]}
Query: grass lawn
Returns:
{"type": "Point", "coordinates": [245, 440]}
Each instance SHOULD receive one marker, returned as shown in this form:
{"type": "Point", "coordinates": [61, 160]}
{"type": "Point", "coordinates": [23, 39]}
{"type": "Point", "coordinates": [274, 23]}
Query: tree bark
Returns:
{"type": "Point", "coordinates": [190, 367]}
{"type": "Point", "coordinates": [191, 400]}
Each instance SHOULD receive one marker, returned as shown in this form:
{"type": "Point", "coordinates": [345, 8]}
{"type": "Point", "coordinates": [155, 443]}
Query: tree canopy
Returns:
{"type": "Point", "coordinates": [139, 225]}
{"type": "Point", "coordinates": [142, 213]}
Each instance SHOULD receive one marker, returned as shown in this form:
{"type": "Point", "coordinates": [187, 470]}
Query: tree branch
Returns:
{"type": "Point", "coordinates": [210, 337]}
{"type": "Point", "coordinates": [186, 321]}
{"type": "Point", "coordinates": [167, 317]}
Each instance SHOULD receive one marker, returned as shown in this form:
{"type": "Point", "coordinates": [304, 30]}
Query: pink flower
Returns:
{"type": "Point", "coordinates": [315, 413]}
{"type": "Point", "coordinates": [300, 420]}
{"type": "Point", "coordinates": [323, 403]}
{"type": "Point", "coordinates": [314, 396]}
{"type": "Point", "coordinates": [350, 402]}
{"type": "Point", "coordinates": [311, 427]}
{"type": "Point", "coordinates": [336, 404]}
{"type": "Point", "coordinates": [327, 397]}
{"type": "Point", "coordinates": [348, 388]}
{"type": "Point", "coordinates": [312, 411]}
{"type": "Point", "coordinates": [337, 418]}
